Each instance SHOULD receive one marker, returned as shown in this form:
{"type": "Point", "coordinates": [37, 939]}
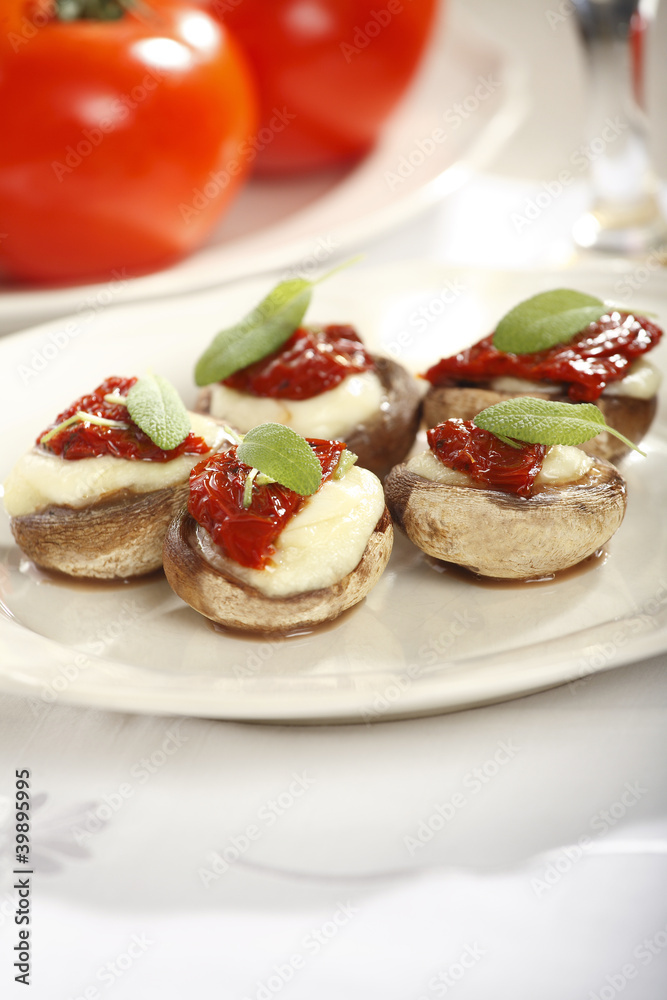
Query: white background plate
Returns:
{"type": "Point", "coordinates": [279, 223]}
{"type": "Point", "coordinates": [423, 641]}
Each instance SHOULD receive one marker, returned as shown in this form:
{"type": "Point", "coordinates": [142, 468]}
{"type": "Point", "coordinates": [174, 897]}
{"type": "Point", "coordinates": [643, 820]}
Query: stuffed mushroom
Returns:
{"type": "Point", "coordinates": [505, 511]}
{"type": "Point", "coordinates": [95, 495]}
{"type": "Point", "coordinates": [252, 554]}
{"type": "Point", "coordinates": [602, 362]}
{"type": "Point", "coordinates": [320, 381]}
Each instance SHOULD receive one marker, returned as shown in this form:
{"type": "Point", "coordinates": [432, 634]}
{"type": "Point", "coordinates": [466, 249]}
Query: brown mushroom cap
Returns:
{"type": "Point", "coordinates": [386, 438]}
{"type": "Point", "coordinates": [632, 417]}
{"type": "Point", "coordinates": [119, 536]}
{"type": "Point", "coordinates": [236, 605]}
{"type": "Point", "coordinates": [502, 535]}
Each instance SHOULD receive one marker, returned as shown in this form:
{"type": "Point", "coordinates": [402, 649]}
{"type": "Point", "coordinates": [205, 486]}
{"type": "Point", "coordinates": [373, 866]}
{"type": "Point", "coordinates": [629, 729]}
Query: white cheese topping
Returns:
{"type": "Point", "coordinates": [562, 464]}
{"type": "Point", "coordinates": [509, 383]}
{"type": "Point", "coordinates": [318, 546]}
{"type": "Point", "coordinates": [40, 479]}
{"type": "Point", "coordinates": [425, 464]}
{"type": "Point", "coordinates": [642, 382]}
{"type": "Point", "coordinates": [330, 415]}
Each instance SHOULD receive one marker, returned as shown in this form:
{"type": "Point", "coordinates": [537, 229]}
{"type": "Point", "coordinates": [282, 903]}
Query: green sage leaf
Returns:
{"type": "Point", "coordinates": [262, 331]}
{"type": "Point", "coordinates": [155, 406]}
{"type": "Point", "coordinates": [541, 421]}
{"type": "Point", "coordinates": [545, 320]}
{"type": "Point", "coordinates": [279, 452]}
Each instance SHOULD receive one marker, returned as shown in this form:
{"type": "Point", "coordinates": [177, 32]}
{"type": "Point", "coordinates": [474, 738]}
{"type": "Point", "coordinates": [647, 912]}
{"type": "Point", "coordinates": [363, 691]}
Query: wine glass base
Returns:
{"type": "Point", "coordinates": [634, 240]}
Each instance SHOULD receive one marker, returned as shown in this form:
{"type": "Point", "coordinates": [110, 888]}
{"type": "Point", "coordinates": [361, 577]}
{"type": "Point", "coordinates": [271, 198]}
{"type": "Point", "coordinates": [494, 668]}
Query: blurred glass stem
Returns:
{"type": "Point", "coordinates": [625, 215]}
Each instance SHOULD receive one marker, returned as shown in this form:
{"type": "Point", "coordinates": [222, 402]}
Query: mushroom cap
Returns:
{"type": "Point", "coordinates": [120, 535]}
{"type": "Point", "coordinates": [386, 438]}
{"type": "Point", "coordinates": [632, 417]}
{"type": "Point", "coordinates": [505, 536]}
{"type": "Point", "coordinates": [227, 600]}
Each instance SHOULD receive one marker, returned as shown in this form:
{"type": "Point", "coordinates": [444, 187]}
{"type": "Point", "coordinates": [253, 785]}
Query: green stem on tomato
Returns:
{"type": "Point", "coordinates": [98, 10]}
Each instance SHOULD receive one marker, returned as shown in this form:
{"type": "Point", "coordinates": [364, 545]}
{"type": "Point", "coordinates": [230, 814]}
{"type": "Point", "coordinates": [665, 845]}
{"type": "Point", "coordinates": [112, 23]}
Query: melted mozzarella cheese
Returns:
{"type": "Point", "coordinates": [330, 415]}
{"type": "Point", "coordinates": [320, 545]}
{"type": "Point", "coordinates": [40, 479]}
{"type": "Point", "coordinates": [642, 382]}
{"type": "Point", "coordinates": [510, 383]}
{"type": "Point", "coordinates": [562, 464]}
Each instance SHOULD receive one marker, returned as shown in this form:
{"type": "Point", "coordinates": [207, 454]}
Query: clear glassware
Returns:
{"type": "Point", "coordinates": [625, 215]}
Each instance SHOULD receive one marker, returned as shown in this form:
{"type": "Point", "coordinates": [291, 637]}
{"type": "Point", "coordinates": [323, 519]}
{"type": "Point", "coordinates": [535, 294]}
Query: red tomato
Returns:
{"type": "Point", "coordinates": [329, 72]}
{"type": "Point", "coordinates": [121, 138]}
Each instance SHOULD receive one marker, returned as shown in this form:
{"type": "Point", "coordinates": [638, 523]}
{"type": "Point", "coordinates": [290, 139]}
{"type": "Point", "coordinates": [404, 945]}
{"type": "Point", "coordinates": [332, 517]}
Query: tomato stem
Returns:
{"type": "Point", "coordinates": [98, 10]}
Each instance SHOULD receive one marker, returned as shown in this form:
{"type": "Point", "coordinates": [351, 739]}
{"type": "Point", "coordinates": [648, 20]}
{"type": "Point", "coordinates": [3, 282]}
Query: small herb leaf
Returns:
{"type": "Point", "coordinates": [345, 462]}
{"type": "Point", "coordinates": [155, 406]}
{"type": "Point", "coordinates": [545, 320]}
{"type": "Point", "coordinates": [247, 489]}
{"type": "Point", "coordinates": [81, 417]}
{"type": "Point", "coordinates": [281, 453]}
{"type": "Point", "coordinates": [541, 421]}
{"type": "Point", "coordinates": [262, 331]}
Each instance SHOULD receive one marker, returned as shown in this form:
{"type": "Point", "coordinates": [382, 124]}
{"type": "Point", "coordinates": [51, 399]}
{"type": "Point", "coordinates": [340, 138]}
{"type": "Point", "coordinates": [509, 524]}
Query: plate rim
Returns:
{"type": "Point", "coordinates": [420, 698]}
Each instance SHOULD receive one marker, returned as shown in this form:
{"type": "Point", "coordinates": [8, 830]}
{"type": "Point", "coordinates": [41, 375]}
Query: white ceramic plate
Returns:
{"type": "Point", "coordinates": [423, 641]}
{"type": "Point", "coordinates": [287, 223]}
